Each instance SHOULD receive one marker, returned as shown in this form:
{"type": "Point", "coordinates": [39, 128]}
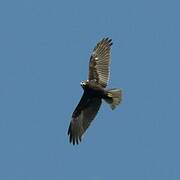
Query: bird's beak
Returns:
{"type": "Point", "coordinates": [83, 83]}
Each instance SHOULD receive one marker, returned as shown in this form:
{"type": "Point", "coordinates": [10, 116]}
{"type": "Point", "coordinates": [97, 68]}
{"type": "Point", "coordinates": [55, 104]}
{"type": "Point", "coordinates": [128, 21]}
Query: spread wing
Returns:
{"type": "Point", "coordinates": [82, 117]}
{"type": "Point", "coordinates": [100, 61]}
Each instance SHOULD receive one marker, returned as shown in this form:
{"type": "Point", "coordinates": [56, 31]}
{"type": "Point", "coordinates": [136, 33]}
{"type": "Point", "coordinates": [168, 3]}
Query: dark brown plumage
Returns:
{"type": "Point", "coordinates": [94, 91]}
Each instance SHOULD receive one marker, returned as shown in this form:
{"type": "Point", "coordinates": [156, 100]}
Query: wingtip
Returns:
{"type": "Point", "coordinates": [73, 140]}
{"type": "Point", "coordinates": [108, 40]}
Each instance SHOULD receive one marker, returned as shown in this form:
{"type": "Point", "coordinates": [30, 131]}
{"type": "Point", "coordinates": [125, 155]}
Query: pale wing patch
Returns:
{"type": "Point", "coordinates": [100, 62]}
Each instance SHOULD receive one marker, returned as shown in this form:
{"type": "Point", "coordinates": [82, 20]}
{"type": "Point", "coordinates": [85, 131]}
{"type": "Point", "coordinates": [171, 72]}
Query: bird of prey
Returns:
{"type": "Point", "coordinates": [94, 91]}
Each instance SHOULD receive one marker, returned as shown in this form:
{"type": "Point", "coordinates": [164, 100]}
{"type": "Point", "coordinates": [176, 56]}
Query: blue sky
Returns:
{"type": "Point", "coordinates": [44, 53]}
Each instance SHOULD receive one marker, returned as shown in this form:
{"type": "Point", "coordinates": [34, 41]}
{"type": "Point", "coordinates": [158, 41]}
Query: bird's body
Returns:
{"type": "Point", "coordinates": [94, 91]}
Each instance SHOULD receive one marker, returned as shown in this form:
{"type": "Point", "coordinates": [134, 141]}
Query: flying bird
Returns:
{"type": "Point", "coordinates": [94, 91]}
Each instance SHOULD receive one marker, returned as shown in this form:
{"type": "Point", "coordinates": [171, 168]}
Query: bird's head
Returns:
{"type": "Point", "coordinates": [84, 84]}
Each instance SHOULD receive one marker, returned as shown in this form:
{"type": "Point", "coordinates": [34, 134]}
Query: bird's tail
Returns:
{"type": "Point", "coordinates": [114, 97]}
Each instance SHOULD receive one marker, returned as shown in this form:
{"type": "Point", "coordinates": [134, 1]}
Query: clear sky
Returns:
{"type": "Point", "coordinates": [44, 53]}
